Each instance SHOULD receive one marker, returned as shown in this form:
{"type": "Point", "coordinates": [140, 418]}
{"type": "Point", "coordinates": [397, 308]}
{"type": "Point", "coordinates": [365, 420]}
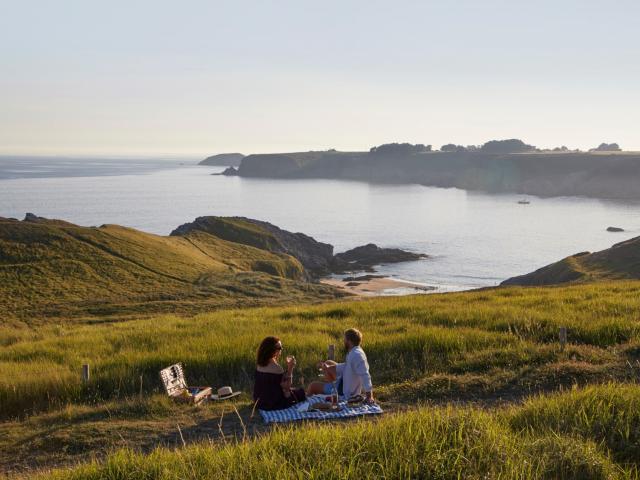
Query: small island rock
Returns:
{"type": "Point", "coordinates": [367, 256]}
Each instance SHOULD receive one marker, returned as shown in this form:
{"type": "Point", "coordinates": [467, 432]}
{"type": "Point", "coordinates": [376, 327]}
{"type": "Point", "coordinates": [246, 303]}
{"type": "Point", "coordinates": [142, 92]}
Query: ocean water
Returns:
{"type": "Point", "coordinates": [472, 239]}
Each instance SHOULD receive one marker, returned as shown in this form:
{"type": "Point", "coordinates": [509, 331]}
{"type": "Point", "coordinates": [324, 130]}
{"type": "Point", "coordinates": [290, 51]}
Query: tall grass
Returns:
{"type": "Point", "coordinates": [434, 443]}
{"type": "Point", "coordinates": [503, 332]}
{"type": "Point", "coordinates": [609, 415]}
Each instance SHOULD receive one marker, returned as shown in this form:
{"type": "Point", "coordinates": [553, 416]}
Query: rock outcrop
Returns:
{"type": "Point", "coordinates": [615, 229]}
{"type": "Point", "coordinates": [315, 256]}
{"type": "Point", "coordinates": [367, 256]}
{"type": "Point", "coordinates": [228, 172]}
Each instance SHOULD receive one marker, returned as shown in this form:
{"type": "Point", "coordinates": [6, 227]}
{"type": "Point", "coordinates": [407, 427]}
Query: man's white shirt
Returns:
{"type": "Point", "coordinates": [355, 373]}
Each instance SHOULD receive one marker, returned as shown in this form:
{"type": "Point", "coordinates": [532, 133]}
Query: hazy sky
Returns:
{"type": "Point", "coordinates": [200, 77]}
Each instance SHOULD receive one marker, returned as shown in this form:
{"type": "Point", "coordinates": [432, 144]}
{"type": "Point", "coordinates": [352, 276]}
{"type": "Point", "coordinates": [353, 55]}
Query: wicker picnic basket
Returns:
{"type": "Point", "coordinates": [176, 386]}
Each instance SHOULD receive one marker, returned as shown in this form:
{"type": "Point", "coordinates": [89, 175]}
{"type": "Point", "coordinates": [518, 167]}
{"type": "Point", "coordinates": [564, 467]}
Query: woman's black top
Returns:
{"type": "Point", "coordinates": [268, 393]}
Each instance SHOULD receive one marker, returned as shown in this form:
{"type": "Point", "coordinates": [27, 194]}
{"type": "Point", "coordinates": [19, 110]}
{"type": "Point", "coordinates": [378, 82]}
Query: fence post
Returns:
{"type": "Point", "coordinates": [85, 373]}
{"type": "Point", "coordinates": [331, 352]}
{"type": "Point", "coordinates": [563, 337]}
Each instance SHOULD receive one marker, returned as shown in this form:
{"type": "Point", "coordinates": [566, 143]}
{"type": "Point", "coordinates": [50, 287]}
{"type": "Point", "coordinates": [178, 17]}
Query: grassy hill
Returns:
{"type": "Point", "coordinates": [622, 261]}
{"type": "Point", "coordinates": [50, 268]}
{"type": "Point", "coordinates": [316, 257]}
{"type": "Point", "coordinates": [451, 371]}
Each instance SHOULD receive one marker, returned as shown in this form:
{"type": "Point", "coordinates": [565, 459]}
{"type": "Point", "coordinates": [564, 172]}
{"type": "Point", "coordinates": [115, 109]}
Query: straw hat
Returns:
{"type": "Point", "coordinates": [224, 393]}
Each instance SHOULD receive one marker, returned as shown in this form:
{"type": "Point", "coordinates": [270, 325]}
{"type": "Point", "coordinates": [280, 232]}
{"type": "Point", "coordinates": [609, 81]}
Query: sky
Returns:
{"type": "Point", "coordinates": [193, 78]}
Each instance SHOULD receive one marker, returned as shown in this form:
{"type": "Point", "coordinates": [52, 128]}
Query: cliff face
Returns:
{"type": "Point", "coordinates": [268, 166]}
{"type": "Point", "coordinates": [605, 175]}
{"type": "Point", "coordinates": [622, 261]}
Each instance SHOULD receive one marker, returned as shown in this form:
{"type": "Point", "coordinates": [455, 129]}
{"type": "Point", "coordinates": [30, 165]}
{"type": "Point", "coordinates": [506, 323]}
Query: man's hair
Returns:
{"type": "Point", "coordinates": [354, 336]}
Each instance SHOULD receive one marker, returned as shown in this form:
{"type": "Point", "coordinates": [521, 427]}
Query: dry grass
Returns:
{"type": "Point", "coordinates": [53, 270]}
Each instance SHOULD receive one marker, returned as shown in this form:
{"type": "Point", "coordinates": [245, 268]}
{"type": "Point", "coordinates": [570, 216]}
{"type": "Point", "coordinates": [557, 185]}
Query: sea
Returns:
{"type": "Point", "coordinates": [472, 239]}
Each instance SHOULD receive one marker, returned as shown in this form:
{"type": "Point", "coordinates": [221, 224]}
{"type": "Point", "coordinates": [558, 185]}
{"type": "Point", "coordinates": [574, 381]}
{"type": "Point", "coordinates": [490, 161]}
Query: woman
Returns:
{"type": "Point", "coordinates": [272, 389]}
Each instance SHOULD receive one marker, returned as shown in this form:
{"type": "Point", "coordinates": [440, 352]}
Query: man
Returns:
{"type": "Point", "coordinates": [351, 377]}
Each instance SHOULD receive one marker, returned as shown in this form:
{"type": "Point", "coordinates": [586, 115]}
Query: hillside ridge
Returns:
{"type": "Point", "coordinates": [620, 262]}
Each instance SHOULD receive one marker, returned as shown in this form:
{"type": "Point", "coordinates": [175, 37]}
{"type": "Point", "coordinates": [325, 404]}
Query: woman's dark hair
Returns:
{"type": "Point", "coordinates": [267, 350]}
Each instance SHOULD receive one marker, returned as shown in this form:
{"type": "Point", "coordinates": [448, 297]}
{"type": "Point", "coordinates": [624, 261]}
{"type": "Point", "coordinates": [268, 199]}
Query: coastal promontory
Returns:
{"type": "Point", "coordinates": [620, 262]}
{"type": "Point", "coordinates": [223, 160]}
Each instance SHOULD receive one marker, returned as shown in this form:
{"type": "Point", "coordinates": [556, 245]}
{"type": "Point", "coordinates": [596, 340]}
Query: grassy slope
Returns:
{"type": "Point", "coordinates": [485, 347]}
{"type": "Point", "coordinates": [54, 269]}
{"type": "Point", "coordinates": [444, 443]}
{"type": "Point", "coordinates": [622, 261]}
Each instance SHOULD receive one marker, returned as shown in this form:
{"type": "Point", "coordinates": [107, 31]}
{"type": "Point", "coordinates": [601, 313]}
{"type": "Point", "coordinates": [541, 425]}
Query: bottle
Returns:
{"type": "Point", "coordinates": [334, 395]}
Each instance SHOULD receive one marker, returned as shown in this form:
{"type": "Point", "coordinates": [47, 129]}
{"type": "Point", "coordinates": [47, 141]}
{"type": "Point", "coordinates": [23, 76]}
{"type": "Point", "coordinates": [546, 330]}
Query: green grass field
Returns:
{"type": "Point", "coordinates": [451, 371]}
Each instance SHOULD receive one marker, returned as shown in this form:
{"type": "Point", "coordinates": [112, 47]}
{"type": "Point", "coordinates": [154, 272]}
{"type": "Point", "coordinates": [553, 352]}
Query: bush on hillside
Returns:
{"type": "Point", "coordinates": [513, 145]}
{"type": "Point", "coordinates": [607, 147]}
{"type": "Point", "coordinates": [400, 149]}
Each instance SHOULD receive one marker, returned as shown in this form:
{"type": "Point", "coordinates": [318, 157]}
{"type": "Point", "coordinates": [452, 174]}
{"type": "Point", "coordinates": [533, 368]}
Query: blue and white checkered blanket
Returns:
{"type": "Point", "coordinates": [293, 413]}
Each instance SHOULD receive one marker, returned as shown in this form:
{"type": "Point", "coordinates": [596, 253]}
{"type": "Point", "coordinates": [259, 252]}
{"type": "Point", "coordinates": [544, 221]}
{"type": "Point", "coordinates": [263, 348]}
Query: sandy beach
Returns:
{"type": "Point", "coordinates": [374, 285]}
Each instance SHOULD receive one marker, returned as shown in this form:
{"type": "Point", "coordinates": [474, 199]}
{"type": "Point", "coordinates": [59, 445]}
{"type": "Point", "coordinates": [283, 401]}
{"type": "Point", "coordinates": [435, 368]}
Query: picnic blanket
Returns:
{"type": "Point", "coordinates": [293, 413]}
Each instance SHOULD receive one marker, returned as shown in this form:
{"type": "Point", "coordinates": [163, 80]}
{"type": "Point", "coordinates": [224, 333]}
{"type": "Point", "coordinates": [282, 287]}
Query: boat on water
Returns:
{"type": "Point", "coordinates": [524, 201]}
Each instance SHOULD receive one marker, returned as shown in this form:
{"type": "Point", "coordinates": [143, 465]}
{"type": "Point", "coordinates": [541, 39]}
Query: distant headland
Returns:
{"type": "Point", "coordinates": [498, 166]}
{"type": "Point", "coordinates": [223, 160]}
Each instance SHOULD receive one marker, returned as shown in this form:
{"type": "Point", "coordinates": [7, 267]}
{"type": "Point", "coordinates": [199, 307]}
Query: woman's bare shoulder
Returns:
{"type": "Point", "coordinates": [270, 368]}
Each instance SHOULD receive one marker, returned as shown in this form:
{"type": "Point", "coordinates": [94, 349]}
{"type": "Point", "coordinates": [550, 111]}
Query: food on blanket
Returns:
{"type": "Point", "coordinates": [326, 407]}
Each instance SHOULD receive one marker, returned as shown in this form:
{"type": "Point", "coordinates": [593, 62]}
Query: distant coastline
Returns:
{"type": "Point", "coordinates": [550, 173]}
